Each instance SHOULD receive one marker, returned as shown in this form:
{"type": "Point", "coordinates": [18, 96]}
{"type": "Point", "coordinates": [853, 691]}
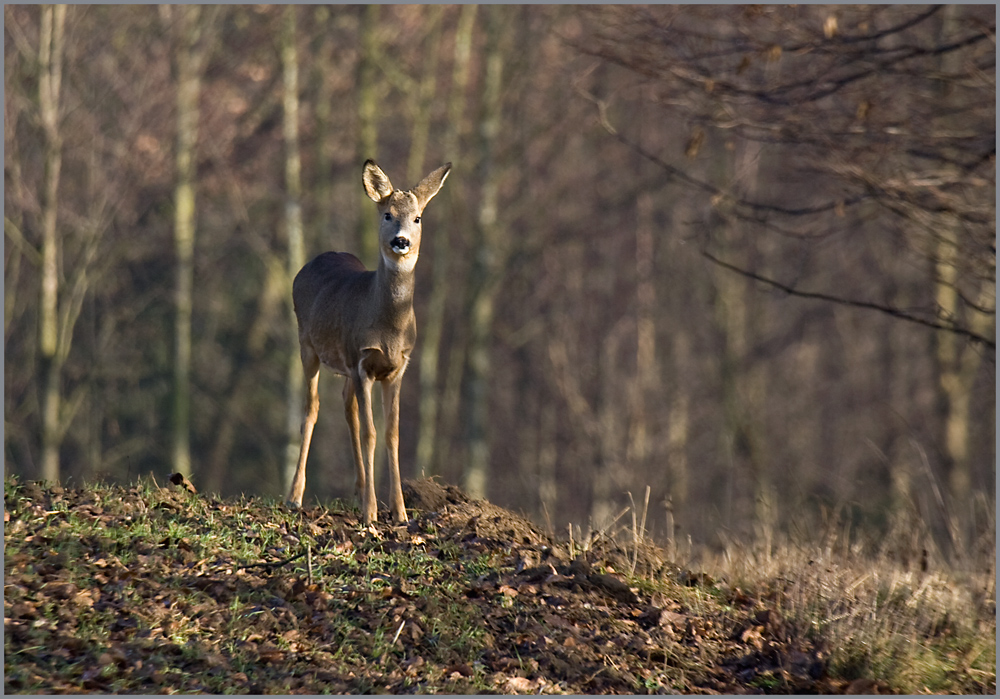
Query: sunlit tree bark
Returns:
{"type": "Point", "coordinates": [190, 56]}
{"type": "Point", "coordinates": [957, 359]}
{"type": "Point", "coordinates": [293, 229]}
{"type": "Point", "coordinates": [50, 55]}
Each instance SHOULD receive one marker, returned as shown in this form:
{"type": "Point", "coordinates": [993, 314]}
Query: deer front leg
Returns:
{"type": "Point", "coordinates": [363, 382]}
{"type": "Point", "coordinates": [390, 404]}
{"type": "Point", "coordinates": [351, 411]}
{"type": "Point", "coordinates": [310, 366]}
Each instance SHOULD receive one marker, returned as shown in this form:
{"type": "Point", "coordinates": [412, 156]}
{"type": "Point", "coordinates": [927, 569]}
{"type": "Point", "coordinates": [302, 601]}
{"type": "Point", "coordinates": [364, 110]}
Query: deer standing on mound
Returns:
{"type": "Point", "coordinates": [360, 323]}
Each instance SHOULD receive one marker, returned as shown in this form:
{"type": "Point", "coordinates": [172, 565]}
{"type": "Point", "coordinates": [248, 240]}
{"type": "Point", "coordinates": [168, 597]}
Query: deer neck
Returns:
{"type": "Point", "coordinates": [394, 289]}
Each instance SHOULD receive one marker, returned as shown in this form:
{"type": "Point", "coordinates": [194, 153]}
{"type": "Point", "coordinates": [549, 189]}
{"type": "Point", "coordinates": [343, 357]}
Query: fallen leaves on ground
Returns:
{"type": "Point", "coordinates": [147, 589]}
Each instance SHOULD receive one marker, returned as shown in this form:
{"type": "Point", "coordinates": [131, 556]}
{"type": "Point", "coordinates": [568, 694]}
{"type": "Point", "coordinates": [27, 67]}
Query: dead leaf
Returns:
{"type": "Point", "coordinates": [63, 590]}
{"type": "Point", "coordinates": [270, 654]}
{"type": "Point", "coordinates": [462, 669]}
{"type": "Point", "coordinates": [752, 636]}
{"type": "Point", "coordinates": [84, 598]}
{"type": "Point", "coordinates": [520, 685]}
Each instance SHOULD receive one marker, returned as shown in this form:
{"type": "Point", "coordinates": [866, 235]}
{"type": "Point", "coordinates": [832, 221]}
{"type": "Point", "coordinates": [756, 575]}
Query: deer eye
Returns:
{"type": "Point", "coordinates": [388, 217]}
{"type": "Point", "coordinates": [416, 220]}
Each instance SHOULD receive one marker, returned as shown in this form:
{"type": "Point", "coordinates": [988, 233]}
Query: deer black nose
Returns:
{"type": "Point", "coordinates": [400, 244]}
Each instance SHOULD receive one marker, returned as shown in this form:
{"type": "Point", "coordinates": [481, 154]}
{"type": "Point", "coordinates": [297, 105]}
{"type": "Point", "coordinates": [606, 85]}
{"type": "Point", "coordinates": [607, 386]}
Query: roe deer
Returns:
{"type": "Point", "coordinates": [360, 323]}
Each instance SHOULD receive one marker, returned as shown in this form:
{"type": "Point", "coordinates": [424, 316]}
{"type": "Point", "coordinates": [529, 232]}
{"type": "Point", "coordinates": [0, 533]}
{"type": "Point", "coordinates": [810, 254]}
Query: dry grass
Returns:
{"type": "Point", "coordinates": [889, 611]}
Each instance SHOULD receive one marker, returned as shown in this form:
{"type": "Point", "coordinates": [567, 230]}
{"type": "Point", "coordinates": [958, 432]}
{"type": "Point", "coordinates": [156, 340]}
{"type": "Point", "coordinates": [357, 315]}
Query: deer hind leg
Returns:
{"type": "Point", "coordinates": [310, 366]}
{"type": "Point", "coordinates": [351, 411]}
{"type": "Point", "coordinates": [363, 391]}
{"type": "Point", "coordinates": [390, 404]}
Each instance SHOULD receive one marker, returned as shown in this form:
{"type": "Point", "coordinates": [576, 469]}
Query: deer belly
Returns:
{"type": "Point", "coordinates": [335, 361]}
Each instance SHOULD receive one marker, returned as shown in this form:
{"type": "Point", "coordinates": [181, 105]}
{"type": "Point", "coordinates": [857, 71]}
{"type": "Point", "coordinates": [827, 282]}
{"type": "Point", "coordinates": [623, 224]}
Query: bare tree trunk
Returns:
{"type": "Point", "coordinates": [611, 473]}
{"type": "Point", "coordinates": [11, 277]}
{"type": "Point", "coordinates": [322, 70]}
{"type": "Point", "coordinates": [423, 97]}
{"type": "Point", "coordinates": [736, 315]}
{"type": "Point", "coordinates": [487, 266]}
{"type": "Point", "coordinates": [368, 101]}
{"type": "Point", "coordinates": [190, 57]}
{"type": "Point", "coordinates": [293, 228]}
{"type": "Point", "coordinates": [548, 483]}
{"type": "Point", "coordinates": [430, 344]}
{"type": "Point", "coordinates": [957, 361]}
{"type": "Point", "coordinates": [646, 373]}
{"type": "Point", "coordinates": [50, 53]}
{"type": "Point", "coordinates": [677, 430]}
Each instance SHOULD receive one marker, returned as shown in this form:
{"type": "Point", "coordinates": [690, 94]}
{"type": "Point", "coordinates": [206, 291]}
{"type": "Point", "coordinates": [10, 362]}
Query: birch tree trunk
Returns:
{"type": "Point", "coordinates": [430, 345]}
{"type": "Point", "coordinates": [188, 90]}
{"type": "Point", "coordinates": [487, 265]}
{"type": "Point", "coordinates": [368, 99]}
{"type": "Point", "coordinates": [423, 97]}
{"type": "Point", "coordinates": [50, 54]}
{"type": "Point", "coordinates": [293, 228]}
{"type": "Point", "coordinates": [323, 68]}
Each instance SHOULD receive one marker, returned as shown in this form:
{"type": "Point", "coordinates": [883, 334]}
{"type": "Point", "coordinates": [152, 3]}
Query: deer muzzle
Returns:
{"type": "Point", "coordinates": [400, 245]}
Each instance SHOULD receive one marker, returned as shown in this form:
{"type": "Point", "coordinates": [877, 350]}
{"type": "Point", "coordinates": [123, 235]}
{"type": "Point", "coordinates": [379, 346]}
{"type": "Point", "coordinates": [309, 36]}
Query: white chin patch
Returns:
{"type": "Point", "coordinates": [400, 249]}
{"type": "Point", "coordinates": [400, 264]}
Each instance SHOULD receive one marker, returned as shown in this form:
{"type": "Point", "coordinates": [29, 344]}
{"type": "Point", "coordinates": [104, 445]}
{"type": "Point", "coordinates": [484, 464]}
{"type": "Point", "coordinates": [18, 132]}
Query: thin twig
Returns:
{"type": "Point", "coordinates": [273, 564]}
{"type": "Point", "coordinates": [309, 564]}
{"type": "Point", "coordinates": [668, 504]}
{"type": "Point", "coordinates": [645, 510]}
{"type": "Point", "coordinates": [635, 537]}
{"type": "Point", "coordinates": [398, 631]}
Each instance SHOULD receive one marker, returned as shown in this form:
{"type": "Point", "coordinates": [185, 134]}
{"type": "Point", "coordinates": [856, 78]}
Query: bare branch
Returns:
{"type": "Point", "coordinates": [819, 296]}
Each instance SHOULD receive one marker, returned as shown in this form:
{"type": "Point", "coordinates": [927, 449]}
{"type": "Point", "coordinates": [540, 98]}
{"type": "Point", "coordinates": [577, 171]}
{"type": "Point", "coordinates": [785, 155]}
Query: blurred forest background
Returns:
{"type": "Point", "coordinates": [742, 255]}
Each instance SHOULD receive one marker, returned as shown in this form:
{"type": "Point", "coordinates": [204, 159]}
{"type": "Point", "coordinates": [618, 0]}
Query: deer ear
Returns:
{"type": "Point", "coordinates": [431, 185]}
{"type": "Point", "coordinates": [377, 185]}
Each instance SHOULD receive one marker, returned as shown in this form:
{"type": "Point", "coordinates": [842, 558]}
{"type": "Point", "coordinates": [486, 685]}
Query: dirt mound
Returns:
{"type": "Point", "coordinates": [147, 589]}
{"type": "Point", "coordinates": [448, 506]}
{"type": "Point", "coordinates": [428, 495]}
{"type": "Point", "coordinates": [580, 619]}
